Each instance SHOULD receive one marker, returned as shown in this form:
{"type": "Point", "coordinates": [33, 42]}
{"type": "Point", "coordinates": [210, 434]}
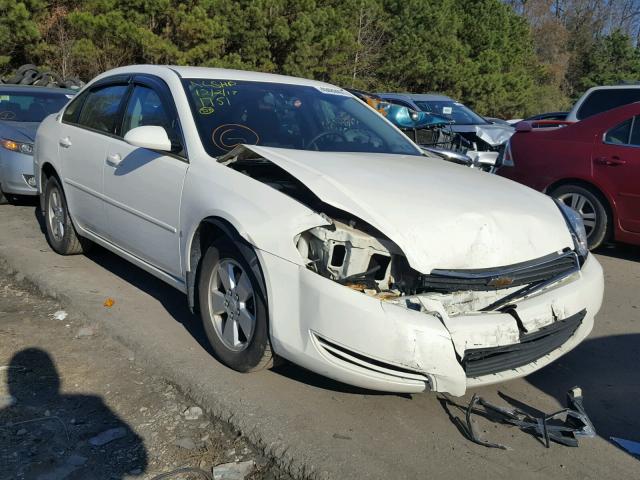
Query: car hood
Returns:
{"type": "Point", "coordinates": [441, 215]}
{"type": "Point", "coordinates": [493, 134]}
{"type": "Point", "coordinates": [19, 131]}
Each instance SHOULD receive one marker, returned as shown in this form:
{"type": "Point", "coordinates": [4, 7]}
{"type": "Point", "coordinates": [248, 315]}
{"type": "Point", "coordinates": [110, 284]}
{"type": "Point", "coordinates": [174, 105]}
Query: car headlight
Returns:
{"type": "Point", "coordinates": [26, 148]}
{"type": "Point", "coordinates": [576, 227]}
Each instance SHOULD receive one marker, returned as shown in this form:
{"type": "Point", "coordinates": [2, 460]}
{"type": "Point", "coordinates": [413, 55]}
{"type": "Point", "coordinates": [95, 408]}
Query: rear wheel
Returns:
{"type": "Point", "coordinates": [233, 308]}
{"type": "Point", "coordinates": [61, 234]}
{"type": "Point", "coordinates": [590, 207]}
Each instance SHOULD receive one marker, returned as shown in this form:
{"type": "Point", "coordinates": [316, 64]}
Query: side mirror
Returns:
{"type": "Point", "coordinates": [149, 136]}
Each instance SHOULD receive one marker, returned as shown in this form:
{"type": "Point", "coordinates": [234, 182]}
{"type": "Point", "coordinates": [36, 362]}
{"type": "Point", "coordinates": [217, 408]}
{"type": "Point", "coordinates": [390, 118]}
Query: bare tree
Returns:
{"type": "Point", "coordinates": [369, 42]}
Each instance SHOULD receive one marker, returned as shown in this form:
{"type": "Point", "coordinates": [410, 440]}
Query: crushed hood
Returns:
{"type": "Point", "coordinates": [493, 134]}
{"type": "Point", "coordinates": [441, 215]}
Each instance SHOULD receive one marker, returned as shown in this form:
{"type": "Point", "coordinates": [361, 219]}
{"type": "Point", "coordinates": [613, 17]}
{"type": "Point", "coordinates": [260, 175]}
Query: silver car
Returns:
{"type": "Point", "coordinates": [22, 108]}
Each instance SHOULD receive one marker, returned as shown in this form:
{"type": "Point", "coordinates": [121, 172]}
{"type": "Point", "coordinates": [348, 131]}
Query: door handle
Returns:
{"type": "Point", "coordinates": [65, 142]}
{"type": "Point", "coordinates": [114, 159]}
{"type": "Point", "coordinates": [609, 162]}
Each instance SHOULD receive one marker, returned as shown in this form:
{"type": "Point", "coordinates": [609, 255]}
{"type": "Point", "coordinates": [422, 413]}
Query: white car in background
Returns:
{"type": "Point", "coordinates": [602, 98]}
{"type": "Point", "coordinates": [300, 223]}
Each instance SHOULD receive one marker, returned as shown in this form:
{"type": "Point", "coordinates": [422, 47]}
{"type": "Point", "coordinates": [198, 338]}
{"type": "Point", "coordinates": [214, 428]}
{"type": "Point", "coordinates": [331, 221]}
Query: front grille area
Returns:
{"type": "Point", "coordinates": [534, 271]}
{"type": "Point", "coordinates": [532, 346]}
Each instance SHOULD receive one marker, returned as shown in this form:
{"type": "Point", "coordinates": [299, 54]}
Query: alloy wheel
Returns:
{"type": "Point", "coordinates": [56, 214]}
{"type": "Point", "coordinates": [232, 304]}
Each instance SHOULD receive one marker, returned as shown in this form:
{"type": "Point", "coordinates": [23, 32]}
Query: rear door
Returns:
{"type": "Point", "coordinates": [87, 124]}
{"type": "Point", "coordinates": [616, 165]}
{"type": "Point", "coordinates": [142, 187]}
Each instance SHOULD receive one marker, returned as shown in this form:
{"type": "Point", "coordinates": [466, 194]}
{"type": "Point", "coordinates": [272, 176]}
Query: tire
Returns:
{"type": "Point", "coordinates": [591, 207]}
{"type": "Point", "coordinates": [3, 199]}
{"type": "Point", "coordinates": [61, 234]}
{"type": "Point", "coordinates": [235, 319]}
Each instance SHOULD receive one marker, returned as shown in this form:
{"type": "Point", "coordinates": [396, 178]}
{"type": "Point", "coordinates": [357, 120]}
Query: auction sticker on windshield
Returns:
{"type": "Point", "coordinates": [333, 91]}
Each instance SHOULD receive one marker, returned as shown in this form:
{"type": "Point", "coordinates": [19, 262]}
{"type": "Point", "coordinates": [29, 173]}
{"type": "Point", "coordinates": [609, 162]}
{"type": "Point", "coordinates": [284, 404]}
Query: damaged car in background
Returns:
{"type": "Point", "coordinates": [302, 224]}
{"type": "Point", "coordinates": [431, 132]}
{"type": "Point", "coordinates": [473, 135]}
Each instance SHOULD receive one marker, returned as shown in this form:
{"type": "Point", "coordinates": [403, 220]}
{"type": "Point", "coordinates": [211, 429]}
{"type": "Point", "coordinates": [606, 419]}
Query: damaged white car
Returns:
{"type": "Point", "coordinates": [302, 224]}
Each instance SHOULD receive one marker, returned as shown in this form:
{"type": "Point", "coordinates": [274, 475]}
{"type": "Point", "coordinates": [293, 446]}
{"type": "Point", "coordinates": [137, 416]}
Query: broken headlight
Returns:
{"type": "Point", "coordinates": [576, 227]}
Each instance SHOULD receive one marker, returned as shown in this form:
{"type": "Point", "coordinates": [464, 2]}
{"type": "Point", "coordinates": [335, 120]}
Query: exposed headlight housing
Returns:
{"type": "Point", "coordinates": [576, 227]}
{"type": "Point", "coordinates": [505, 159]}
{"type": "Point", "coordinates": [26, 148]}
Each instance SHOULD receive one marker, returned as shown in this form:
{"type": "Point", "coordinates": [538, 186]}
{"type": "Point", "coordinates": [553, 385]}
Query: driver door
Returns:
{"type": "Point", "coordinates": [143, 187]}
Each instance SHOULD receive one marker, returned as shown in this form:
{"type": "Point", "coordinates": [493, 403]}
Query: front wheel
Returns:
{"type": "Point", "coordinates": [61, 234]}
{"type": "Point", "coordinates": [591, 208]}
{"type": "Point", "coordinates": [233, 307]}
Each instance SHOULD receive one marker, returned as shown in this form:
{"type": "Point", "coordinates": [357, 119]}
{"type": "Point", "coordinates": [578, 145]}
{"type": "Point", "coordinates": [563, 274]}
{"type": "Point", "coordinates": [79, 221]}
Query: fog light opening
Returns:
{"type": "Point", "coordinates": [30, 179]}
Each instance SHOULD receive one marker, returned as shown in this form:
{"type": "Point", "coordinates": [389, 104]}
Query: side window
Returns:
{"type": "Point", "coordinates": [70, 114]}
{"type": "Point", "coordinates": [145, 107]}
{"type": "Point", "coordinates": [619, 134]}
{"type": "Point", "coordinates": [635, 132]}
{"type": "Point", "coordinates": [100, 109]}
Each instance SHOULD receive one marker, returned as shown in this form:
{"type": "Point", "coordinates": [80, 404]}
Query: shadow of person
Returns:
{"type": "Point", "coordinates": [47, 435]}
{"type": "Point", "coordinates": [606, 368]}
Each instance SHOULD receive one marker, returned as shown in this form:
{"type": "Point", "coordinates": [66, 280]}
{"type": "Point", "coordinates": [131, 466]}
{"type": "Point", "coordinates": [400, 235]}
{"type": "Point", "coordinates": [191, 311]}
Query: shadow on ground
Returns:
{"type": "Point", "coordinates": [47, 434]}
{"type": "Point", "coordinates": [621, 251]}
{"type": "Point", "coordinates": [607, 370]}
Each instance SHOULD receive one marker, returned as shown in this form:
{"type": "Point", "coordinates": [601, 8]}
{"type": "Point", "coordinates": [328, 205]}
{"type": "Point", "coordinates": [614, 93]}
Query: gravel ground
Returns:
{"type": "Point", "coordinates": [74, 405]}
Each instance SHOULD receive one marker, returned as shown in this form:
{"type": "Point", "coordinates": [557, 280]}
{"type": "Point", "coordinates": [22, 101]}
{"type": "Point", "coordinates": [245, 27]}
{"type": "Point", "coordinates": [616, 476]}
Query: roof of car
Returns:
{"type": "Point", "coordinates": [33, 88]}
{"type": "Point", "coordinates": [216, 74]}
{"type": "Point", "coordinates": [420, 97]}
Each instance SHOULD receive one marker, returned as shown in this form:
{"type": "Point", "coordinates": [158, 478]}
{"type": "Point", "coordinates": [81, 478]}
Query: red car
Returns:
{"type": "Point", "coordinates": [592, 165]}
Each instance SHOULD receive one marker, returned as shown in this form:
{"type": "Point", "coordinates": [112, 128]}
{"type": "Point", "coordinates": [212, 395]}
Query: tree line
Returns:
{"type": "Point", "coordinates": [503, 58]}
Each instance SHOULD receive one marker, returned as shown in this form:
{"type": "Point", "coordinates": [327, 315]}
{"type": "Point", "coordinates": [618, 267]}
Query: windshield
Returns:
{"type": "Point", "coordinates": [457, 112]}
{"type": "Point", "coordinates": [229, 113]}
{"type": "Point", "coordinates": [30, 106]}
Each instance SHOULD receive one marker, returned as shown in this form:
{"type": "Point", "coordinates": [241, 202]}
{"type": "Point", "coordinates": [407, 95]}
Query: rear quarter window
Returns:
{"type": "Point", "coordinates": [602, 100]}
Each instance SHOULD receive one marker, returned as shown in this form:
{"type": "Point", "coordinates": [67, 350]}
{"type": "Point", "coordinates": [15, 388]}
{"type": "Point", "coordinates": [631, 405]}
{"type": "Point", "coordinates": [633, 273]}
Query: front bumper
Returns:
{"type": "Point", "coordinates": [362, 341]}
{"type": "Point", "coordinates": [13, 168]}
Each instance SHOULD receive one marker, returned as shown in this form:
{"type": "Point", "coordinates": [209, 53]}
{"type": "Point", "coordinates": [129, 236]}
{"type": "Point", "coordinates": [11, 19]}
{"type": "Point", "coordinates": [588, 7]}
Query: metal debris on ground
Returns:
{"type": "Point", "coordinates": [108, 436]}
{"type": "Point", "coordinates": [628, 446]}
{"type": "Point", "coordinates": [178, 471]}
{"type": "Point", "coordinates": [233, 471]}
{"type": "Point", "coordinates": [192, 413]}
{"type": "Point", "coordinates": [59, 315]}
{"type": "Point", "coordinates": [564, 426]}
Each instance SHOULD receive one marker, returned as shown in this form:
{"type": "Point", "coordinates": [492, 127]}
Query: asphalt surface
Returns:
{"type": "Point", "coordinates": [318, 428]}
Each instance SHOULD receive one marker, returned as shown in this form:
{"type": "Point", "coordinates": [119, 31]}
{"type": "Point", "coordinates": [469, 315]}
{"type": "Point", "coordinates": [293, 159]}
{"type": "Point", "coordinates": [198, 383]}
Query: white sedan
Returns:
{"type": "Point", "coordinates": [301, 224]}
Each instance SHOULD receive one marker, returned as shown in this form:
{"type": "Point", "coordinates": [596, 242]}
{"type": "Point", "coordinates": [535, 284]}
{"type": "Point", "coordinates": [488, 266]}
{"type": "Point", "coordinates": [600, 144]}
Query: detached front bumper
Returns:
{"type": "Point", "coordinates": [16, 169]}
{"type": "Point", "coordinates": [360, 340]}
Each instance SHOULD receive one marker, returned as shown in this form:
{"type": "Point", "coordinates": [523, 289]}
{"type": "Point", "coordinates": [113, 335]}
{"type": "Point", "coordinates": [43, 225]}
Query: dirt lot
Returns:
{"type": "Point", "coordinates": [74, 404]}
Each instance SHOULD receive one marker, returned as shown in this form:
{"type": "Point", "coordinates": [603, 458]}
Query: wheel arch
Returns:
{"type": "Point", "coordinates": [46, 172]}
{"type": "Point", "coordinates": [599, 192]}
{"type": "Point", "coordinates": [209, 230]}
